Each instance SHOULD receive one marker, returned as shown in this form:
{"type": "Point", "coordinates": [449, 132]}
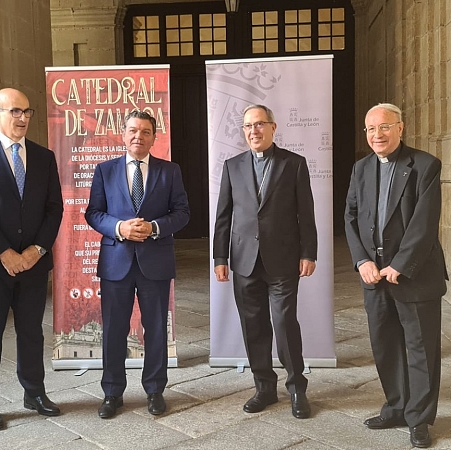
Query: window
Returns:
{"type": "Point", "coordinates": [298, 30]}
{"type": "Point", "coordinates": [179, 35]}
{"type": "Point", "coordinates": [331, 29]}
{"type": "Point", "coordinates": [212, 34]}
{"type": "Point", "coordinates": [265, 32]}
{"type": "Point", "coordinates": [146, 36]}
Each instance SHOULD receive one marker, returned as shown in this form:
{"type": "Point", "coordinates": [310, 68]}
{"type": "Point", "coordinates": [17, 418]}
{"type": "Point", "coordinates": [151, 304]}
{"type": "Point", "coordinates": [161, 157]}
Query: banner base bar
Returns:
{"type": "Point", "coordinates": [243, 362]}
{"type": "Point", "coordinates": [87, 364]}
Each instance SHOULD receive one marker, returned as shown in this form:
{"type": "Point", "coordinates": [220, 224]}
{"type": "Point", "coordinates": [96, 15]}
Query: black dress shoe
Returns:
{"type": "Point", "coordinates": [300, 406]}
{"type": "Point", "coordinates": [42, 404]}
{"type": "Point", "coordinates": [260, 401]}
{"type": "Point", "coordinates": [109, 406]}
{"type": "Point", "coordinates": [156, 404]}
{"type": "Point", "coordinates": [419, 436]}
{"type": "Point", "coordinates": [381, 423]}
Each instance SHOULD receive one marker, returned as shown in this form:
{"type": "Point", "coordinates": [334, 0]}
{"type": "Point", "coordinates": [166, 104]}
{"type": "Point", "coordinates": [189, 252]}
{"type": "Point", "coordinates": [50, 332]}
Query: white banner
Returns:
{"type": "Point", "coordinates": [299, 91]}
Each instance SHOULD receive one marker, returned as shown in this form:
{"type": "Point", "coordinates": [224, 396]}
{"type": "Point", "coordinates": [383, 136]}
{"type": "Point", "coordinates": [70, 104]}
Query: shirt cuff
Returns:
{"type": "Point", "coordinates": [362, 261]}
{"type": "Point", "coordinates": [116, 231]}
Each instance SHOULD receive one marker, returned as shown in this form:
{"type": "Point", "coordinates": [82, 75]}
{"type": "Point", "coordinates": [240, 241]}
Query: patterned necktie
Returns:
{"type": "Point", "coordinates": [19, 169]}
{"type": "Point", "coordinates": [137, 186]}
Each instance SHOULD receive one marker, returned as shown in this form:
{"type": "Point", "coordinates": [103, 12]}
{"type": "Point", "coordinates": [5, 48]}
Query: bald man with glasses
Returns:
{"type": "Point", "coordinates": [31, 209]}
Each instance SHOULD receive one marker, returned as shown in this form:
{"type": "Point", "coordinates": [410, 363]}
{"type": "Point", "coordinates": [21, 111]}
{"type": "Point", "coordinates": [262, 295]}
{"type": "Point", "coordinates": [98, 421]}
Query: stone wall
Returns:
{"type": "Point", "coordinates": [25, 51]}
{"type": "Point", "coordinates": [87, 32]}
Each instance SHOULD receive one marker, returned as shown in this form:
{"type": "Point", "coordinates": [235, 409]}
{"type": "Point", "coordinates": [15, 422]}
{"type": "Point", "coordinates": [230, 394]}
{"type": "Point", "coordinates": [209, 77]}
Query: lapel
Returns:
{"type": "Point", "coordinates": [400, 177]}
{"type": "Point", "coordinates": [274, 174]}
{"type": "Point", "coordinates": [246, 166]}
{"type": "Point", "coordinates": [153, 172]}
{"type": "Point", "coordinates": [370, 181]}
{"type": "Point", "coordinates": [120, 176]}
{"type": "Point", "coordinates": [6, 173]}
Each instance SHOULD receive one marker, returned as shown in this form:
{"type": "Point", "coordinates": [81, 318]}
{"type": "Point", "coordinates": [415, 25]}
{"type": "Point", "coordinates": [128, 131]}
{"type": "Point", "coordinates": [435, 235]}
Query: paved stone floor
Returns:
{"type": "Point", "coordinates": [204, 403]}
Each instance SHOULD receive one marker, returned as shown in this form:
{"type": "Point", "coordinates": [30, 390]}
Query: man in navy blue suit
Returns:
{"type": "Point", "coordinates": [137, 202]}
{"type": "Point", "coordinates": [31, 208]}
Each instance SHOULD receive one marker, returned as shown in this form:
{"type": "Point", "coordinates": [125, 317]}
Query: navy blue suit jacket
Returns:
{"type": "Point", "coordinates": [165, 201]}
{"type": "Point", "coordinates": [36, 218]}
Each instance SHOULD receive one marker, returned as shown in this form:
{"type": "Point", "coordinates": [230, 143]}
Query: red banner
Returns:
{"type": "Point", "coordinates": [86, 110]}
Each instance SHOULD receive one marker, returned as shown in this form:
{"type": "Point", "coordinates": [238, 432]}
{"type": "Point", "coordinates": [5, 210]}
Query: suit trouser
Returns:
{"type": "Point", "coordinates": [26, 296]}
{"type": "Point", "coordinates": [255, 296]}
{"type": "Point", "coordinates": [118, 298]}
{"type": "Point", "coordinates": [406, 342]}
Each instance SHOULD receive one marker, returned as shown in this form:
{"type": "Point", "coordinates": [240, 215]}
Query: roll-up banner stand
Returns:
{"type": "Point", "coordinates": [299, 91]}
{"type": "Point", "coordinates": [86, 107]}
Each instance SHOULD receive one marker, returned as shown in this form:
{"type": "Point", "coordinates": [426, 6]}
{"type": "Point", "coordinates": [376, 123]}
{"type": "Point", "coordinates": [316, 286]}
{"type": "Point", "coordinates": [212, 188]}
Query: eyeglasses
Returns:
{"type": "Point", "coordinates": [17, 112]}
{"type": "Point", "coordinates": [256, 125]}
{"type": "Point", "coordinates": [383, 128]}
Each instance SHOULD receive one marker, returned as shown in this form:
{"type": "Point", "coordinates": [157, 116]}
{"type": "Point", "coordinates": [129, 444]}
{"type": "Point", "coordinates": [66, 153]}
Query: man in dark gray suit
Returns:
{"type": "Point", "coordinates": [265, 216]}
{"type": "Point", "coordinates": [392, 221]}
{"type": "Point", "coordinates": [31, 208]}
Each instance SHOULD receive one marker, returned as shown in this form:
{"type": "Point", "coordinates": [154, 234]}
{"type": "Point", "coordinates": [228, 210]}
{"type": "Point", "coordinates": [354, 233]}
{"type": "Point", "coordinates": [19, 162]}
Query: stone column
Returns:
{"type": "Point", "coordinates": [361, 74]}
{"type": "Point", "coordinates": [25, 51]}
{"type": "Point", "coordinates": [86, 35]}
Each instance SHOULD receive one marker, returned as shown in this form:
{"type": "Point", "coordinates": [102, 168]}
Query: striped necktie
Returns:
{"type": "Point", "coordinates": [137, 185]}
{"type": "Point", "coordinates": [19, 169]}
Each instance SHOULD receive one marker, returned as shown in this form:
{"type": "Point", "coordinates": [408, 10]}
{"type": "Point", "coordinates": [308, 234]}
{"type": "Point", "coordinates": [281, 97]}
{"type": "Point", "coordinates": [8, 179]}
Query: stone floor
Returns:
{"type": "Point", "coordinates": [204, 403]}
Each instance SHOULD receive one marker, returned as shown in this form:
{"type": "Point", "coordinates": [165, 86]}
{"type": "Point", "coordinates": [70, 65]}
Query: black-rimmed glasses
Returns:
{"type": "Point", "coordinates": [17, 112]}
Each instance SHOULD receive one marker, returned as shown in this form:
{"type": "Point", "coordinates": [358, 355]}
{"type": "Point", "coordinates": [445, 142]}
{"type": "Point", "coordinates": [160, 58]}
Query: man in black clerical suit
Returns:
{"type": "Point", "coordinates": [31, 209]}
{"type": "Point", "coordinates": [392, 221]}
{"type": "Point", "coordinates": [265, 218]}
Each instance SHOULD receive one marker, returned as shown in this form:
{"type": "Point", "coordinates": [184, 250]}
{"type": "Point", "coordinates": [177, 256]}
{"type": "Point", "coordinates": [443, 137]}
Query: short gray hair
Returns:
{"type": "Point", "coordinates": [269, 113]}
{"type": "Point", "coordinates": [388, 107]}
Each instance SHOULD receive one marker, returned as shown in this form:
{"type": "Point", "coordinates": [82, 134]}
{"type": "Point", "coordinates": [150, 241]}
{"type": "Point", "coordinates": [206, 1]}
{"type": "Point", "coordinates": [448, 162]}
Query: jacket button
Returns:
{"type": "Point", "coordinates": [19, 230]}
{"type": "Point", "coordinates": [256, 238]}
{"type": "Point", "coordinates": [373, 248]}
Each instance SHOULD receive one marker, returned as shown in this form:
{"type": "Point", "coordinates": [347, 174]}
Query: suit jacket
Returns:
{"type": "Point", "coordinates": [36, 218]}
{"type": "Point", "coordinates": [282, 228]}
{"type": "Point", "coordinates": [165, 201]}
{"type": "Point", "coordinates": [410, 235]}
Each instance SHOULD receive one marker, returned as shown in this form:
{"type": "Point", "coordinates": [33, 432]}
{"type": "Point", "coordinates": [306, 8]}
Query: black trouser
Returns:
{"type": "Point", "coordinates": [255, 297]}
{"type": "Point", "coordinates": [406, 342]}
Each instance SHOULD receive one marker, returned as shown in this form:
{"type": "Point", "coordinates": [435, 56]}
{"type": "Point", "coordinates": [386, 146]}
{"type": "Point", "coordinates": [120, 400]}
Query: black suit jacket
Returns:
{"type": "Point", "coordinates": [410, 235]}
{"type": "Point", "coordinates": [282, 228]}
{"type": "Point", "coordinates": [36, 218]}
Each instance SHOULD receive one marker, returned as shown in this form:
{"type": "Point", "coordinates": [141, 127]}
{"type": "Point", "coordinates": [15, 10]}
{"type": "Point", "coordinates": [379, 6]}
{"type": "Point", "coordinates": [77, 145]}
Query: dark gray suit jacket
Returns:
{"type": "Point", "coordinates": [282, 228]}
{"type": "Point", "coordinates": [410, 235]}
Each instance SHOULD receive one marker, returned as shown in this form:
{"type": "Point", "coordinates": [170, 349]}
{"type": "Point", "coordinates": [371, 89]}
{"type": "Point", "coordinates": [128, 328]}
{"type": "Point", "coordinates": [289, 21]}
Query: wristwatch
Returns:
{"type": "Point", "coordinates": [41, 250]}
{"type": "Point", "coordinates": [154, 229]}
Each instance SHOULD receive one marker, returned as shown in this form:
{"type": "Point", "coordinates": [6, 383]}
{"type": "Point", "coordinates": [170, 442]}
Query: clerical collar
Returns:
{"type": "Point", "coordinates": [391, 157]}
{"type": "Point", "coordinates": [267, 153]}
